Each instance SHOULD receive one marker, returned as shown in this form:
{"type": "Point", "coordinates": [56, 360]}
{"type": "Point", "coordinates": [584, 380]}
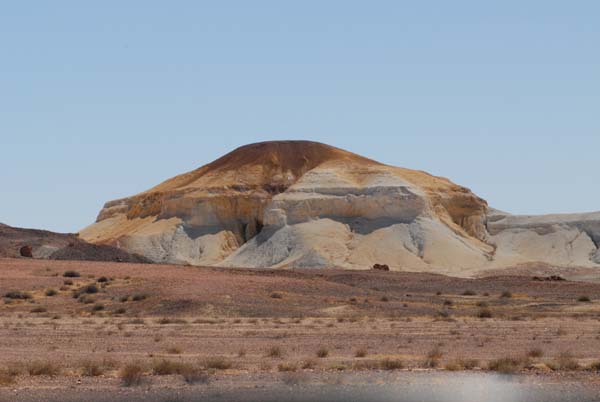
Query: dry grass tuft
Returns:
{"type": "Point", "coordinates": [360, 352]}
{"type": "Point", "coordinates": [6, 378]}
{"type": "Point", "coordinates": [38, 368]}
{"type": "Point", "coordinates": [275, 352]}
{"type": "Point", "coordinates": [289, 367]}
{"type": "Point", "coordinates": [535, 353]}
{"type": "Point", "coordinates": [217, 363]}
{"type": "Point", "coordinates": [322, 352]}
{"type": "Point", "coordinates": [391, 364]}
{"type": "Point", "coordinates": [508, 365]}
{"type": "Point", "coordinates": [131, 374]}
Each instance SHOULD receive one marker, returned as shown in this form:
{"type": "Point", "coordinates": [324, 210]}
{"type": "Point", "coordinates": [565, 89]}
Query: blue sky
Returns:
{"type": "Point", "coordinates": [100, 100]}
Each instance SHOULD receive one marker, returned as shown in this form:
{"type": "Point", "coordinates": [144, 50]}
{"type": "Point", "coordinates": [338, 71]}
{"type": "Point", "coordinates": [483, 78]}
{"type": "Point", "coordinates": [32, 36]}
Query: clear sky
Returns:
{"type": "Point", "coordinates": [100, 100]}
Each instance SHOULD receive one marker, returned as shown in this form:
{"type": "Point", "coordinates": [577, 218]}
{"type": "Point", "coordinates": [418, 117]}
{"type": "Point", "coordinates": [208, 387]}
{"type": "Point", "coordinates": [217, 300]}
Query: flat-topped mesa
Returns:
{"type": "Point", "coordinates": [300, 203]}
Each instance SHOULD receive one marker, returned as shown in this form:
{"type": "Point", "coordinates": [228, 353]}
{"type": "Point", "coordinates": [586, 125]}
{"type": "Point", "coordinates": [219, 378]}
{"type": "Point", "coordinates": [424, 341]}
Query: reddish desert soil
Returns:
{"type": "Point", "coordinates": [270, 322]}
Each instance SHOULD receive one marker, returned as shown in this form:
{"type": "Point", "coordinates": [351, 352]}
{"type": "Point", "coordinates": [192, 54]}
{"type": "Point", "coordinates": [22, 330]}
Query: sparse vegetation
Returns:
{"type": "Point", "coordinates": [391, 364]}
{"type": "Point", "coordinates": [166, 367]}
{"type": "Point", "coordinates": [469, 292]}
{"type": "Point", "coordinates": [18, 295]}
{"type": "Point", "coordinates": [484, 313]}
{"type": "Point", "coordinates": [71, 274]}
{"type": "Point", "coordinates": [51, 292]}
{"type": "Point", "coordinates": [90, 289]}
{"type": "Point", "coordinates": [98, 307]}
{"type": "Point", "coordinates": [289, 367]}
{"type": "Point", "coordinates": [276, 295]}
{"type": "Point", "coordinates": [360, 352]}
{"type": "Point", "coordinates": [275, 352]}
{"type": "Point", "coordinates": [91, 368]}
{"type": "Point", "coordinates": [38, 368]}
{"type": "Point", "coordinates": [564, 362]}
{"type": "Point", "coordinates": [194, 375]}
{"type": "Point", "coordinates": [217, 363]}
{"type": "Point", "coordinates": [535, 353]}
{"type": "Point", "coordinates": [309, 364]}
{"type": "Point", "coordinates": [139, 297]}
{"type": "Point", "coordinates": [6, 378]}
{"type": "Point", "coordinates": [433, 357]}
{"type": "Point", "coordinates": [102, 279]}
{"type": "Point", "coordinates": [131, 374]}
{"type": "Point", "coordinates": [507, 365]}
{"type": "Point", "coordinates": [174, 350]}
{"type": "Point", "coordinates": [584, 299]}
{"type": "Point", "coordinates": [322, 352]}
{"type": "Point", "coordinates": [506, 295]}
{"type": "Point", "coordinates": [39, 309]}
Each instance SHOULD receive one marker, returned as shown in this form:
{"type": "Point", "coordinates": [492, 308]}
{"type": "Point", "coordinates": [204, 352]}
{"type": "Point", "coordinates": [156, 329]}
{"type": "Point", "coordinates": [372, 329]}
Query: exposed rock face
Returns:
{"type": "Point", "coordinates": [305, 204]}
{"type": "Point", "coordinates": [560, 239]}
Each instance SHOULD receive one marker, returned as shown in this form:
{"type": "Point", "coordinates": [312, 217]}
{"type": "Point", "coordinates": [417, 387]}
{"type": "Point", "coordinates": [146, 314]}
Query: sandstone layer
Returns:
{"type": "Point", "coordinates": [306, 204]}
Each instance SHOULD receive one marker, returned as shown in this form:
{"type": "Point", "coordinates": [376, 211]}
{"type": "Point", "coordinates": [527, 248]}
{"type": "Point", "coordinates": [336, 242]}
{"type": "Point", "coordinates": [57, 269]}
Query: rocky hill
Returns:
{"type": "Point", "coordinates": [306, 204]}
{"type": "Point", "coordinates": [43, 244]}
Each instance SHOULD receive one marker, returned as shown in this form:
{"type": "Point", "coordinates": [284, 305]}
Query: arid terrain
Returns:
{"type": "Point", "coordinates": [131, 327]}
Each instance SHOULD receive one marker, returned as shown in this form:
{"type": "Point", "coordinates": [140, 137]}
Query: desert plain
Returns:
{"type": "Point", "coordinates": [123, 330]}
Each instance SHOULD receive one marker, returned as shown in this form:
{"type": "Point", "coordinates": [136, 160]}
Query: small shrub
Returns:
{"type": "Point", "coordinates": [194, 375]}
{"type": "Point", "coordinates": [67, 282]}
{"type": "Point", "coordinates": [506, 365]}
{"type": "Point", "coordinates": [124, 299]}
{"type": "Point", "coordinates": [98, 307]}
{"type": "Point", "coordinates": [120, 310]}
{"type": "Point", "coordinates": [166, 367]}
{"type": "Point", "coordinates": [38, 368]}
{"type": "Point", "coordinates": [484, 313]}
{"type": "Point", "coordinates": [584, 299]}
{"type": "Point", "coordinates": [139, 297]}
{"type": "Point", "coordinates": [18, 295]}
{"type": "Point", "coordinates": [535, 353]}
{"type": "Point", "coordinates": [453, 366]}
{"type": "Point", "coordinates": [433, 357]}
{"type": "Point", "coordinates": [506, 295]}
{"type": "Point", "coordinates": [309, 364]}
{"type": "Point", "coordinates": [391, 364]}
{"type": "Point", "coordinates": [6, 378]}
{"type": "Point", "coordinates": [217, 363]}
{"type": "Point", "coordinates": [595, 366]}
{"type": "Point", "coordinates": [71, 274]}
{"type": "Point", "coordinates": [482, 304]}
{"type": "Point", "coordinates": [39, 309]}
{"type": "Point", "coordinates": [566, 361]}
{"type": "Point", "coordinates": [275, 352]}
{"type": "Point", "coordinates": [174, 350]}
{"type": "Point", "coordinates": [276, 295]}
{"type": "Point", "coordinates": [360, 352]}
{"type": "Point", "coordinates": [448, 302]}
{"type": "Point", "coordinates": [90, 368]}
{"type": "Point", "coordinates": [51, 292]}
{"type": "Point", "coordinates": [287, 367]}
{"type": "Point", "coordinates": [90, 289]}
{"type": "Point", "coordinates": [469, 292]}
{"type": "Point", "coordinates": [461, 364]}
{"type": "Point", "coordinates": [131, 374]}
{"type": "Point", "coordinates": [322, 352]}
{"type": "Point", "coordinates": [102, 279]}
{"type": "Point", "coordinates": [385, 299]}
